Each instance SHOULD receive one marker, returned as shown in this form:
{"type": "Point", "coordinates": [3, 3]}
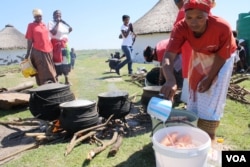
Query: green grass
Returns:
{"type": "Point", "coordinates": [89, 78]}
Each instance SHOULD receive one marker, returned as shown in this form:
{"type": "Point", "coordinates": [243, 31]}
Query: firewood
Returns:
{"type": "Point", "coordinates": [115, 147]}
{"type": "Point", "coordinates": [97, 150]}
{"type": "Point", "coordinates": [20, 123]}
{"type": "Point", "coordinates": [93, 127]}
{"type": "Point", "coordinates": [241, 79]}
{"type": "Point", "coordinates": [22, 86]}
{"type": "Point", "coordinates": [75, 141]}
{"type": "Point", "coordinates": [34, 134]}
{"type": "Point", "coordinates": [41, 137]}
{"type": "Point", "coordinates": [98, 140]}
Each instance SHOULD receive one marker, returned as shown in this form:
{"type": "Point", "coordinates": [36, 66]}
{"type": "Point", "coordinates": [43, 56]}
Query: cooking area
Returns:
{"type": "Point", "coordinates": [60, 117]}
{"type": "Point", "coordinates": [164, 84]}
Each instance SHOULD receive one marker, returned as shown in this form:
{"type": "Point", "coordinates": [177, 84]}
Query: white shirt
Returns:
{"type": "Point", "coordinates": [62, 32]}
{"type": "Point", "coordinates": [129, 40]}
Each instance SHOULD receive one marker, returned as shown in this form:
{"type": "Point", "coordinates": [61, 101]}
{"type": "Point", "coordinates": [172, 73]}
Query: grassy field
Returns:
{"type": "Point", "coordinates": [92, 76]}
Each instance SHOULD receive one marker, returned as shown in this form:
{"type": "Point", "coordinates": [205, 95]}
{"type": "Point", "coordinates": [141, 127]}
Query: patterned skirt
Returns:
{"type": "Point", "coordinates": [210, 104]}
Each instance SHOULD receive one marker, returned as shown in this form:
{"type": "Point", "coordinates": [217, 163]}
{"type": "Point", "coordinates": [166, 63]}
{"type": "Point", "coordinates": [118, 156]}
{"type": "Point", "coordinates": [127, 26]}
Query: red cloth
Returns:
{"type": "Point", "coordinates": [39, 35]}
{"type": "Point", "coordinates": [186, 50]}
{"type": "Point", "coordinates": [186, 53]}
{"type": "Point", "coordinates": [161, 48]}
{"type": "Point", "coordinates": [200, 66]}
{"type": "Point", "coordinates": [180, 16]}
{"type": "Point", "coordinates": [57, 49]}
{"type": "Point", "coordinates": [204, 5]}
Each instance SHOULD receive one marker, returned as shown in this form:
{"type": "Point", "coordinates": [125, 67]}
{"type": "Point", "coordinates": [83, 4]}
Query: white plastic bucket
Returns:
{"type": "Point", "coordinates": [175, 157]}
{"type": "Point", "coordinates": [191, 118]}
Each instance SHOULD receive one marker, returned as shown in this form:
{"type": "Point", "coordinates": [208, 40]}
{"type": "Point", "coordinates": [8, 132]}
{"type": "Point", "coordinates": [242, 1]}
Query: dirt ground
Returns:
{"type": "Point", "coordinates": [13, 140]}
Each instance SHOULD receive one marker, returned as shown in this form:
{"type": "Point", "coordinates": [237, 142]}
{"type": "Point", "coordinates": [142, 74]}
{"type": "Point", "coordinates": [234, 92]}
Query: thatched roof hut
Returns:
{"type": "Point", "coordinates": [159, 19]}
{"type": "Point", "coordinates": [11, 38]}
{"type": "Point", "coordinates": [12, 45]}
{"type": "Point", "coordinates": [153, 26]}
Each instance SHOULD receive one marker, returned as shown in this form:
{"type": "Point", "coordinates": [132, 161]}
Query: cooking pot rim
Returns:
{"type": "Point", "coordinates": [111, 94]}
{"type": "Point", "coordinates": [48, 87]}
{"type": "Point", "coordinates": [77, 103]}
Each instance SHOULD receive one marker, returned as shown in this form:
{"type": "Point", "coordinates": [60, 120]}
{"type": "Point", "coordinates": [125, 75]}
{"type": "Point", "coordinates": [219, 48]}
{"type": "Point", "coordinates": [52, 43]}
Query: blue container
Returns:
{"type": "Point", "coordinates": [159, 108]}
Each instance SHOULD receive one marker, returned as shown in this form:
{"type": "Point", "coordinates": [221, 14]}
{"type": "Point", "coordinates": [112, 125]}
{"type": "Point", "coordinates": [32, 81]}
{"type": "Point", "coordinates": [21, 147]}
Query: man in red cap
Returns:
{"type": "Point", "coordinates": [211, 64]}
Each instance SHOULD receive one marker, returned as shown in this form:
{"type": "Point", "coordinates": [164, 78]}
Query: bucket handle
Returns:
{"type": "Point", "coordinates": [170, 121]}
{"type": "Point", "coordinates": [178, 121]}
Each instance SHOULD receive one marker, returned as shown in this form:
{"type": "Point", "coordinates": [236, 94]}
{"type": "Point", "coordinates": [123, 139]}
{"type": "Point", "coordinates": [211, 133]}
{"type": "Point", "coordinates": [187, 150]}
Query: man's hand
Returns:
{"type": "Point", "coordinates": [168, 90]}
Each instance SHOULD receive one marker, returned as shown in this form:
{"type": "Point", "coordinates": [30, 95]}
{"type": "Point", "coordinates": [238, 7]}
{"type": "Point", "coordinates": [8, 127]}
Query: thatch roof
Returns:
{"type": "Point", "coordinates": [11, 38]}
{"type": "Point", "coordinates": [159, 19]}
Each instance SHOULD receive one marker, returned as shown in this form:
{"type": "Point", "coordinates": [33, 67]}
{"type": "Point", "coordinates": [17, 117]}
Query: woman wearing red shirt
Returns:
{"type": "Point", "coordinates": [40, 49]}
{"type": "Point", "coordinates": [211, 62]}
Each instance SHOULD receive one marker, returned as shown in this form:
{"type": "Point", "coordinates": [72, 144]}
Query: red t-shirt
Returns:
{"type": "Point", "coordinates": [39, 34]}
{"type": "Point", "coordinates": [180, 16]}
{"type": "Point", "coordinates": [186, 50]}
{"type": "Point", "coordinates": [161, 48]}
{"type": "Point", "coordinates": [218, 38]}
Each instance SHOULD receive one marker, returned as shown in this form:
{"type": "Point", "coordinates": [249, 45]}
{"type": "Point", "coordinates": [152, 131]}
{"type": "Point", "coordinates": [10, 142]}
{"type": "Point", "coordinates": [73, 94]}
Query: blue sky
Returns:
{"type": "Point", "coordinates": [96, 23]}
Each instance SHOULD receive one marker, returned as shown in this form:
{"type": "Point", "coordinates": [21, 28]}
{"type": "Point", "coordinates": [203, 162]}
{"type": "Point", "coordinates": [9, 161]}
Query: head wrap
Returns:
{"type": "Point", "coordinates": [204, 5]}
{"type": "Point", "coordinates": [37, 12]}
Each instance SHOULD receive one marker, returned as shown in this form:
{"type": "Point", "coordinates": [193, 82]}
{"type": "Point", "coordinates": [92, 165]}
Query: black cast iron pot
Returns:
{"type": "Point", "coordinates": [77, 115]}
{"type": "Point", "coordinates": [115, 102]}
{"type": "Point", "coordinates": [44, 100]}
{"type": "Point", "coordinates": [148, 93]}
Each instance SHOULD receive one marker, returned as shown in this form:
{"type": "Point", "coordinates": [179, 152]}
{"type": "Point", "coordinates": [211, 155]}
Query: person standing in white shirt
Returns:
{"type": "Point", "coordinates": [128, 37]}
{"type": "Point", "coordinates": [59, 31]}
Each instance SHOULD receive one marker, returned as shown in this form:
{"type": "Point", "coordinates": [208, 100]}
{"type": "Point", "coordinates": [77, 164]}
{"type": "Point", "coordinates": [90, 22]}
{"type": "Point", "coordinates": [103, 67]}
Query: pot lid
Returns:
{"type": "Point", "coordinates": [76, 103]}
{"type": "Point", "coordinates": [152, 88]}
{"type": "Point", "coordinates": [49, 86]}
{"type": "Point", "coordinates": [113, 94]}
